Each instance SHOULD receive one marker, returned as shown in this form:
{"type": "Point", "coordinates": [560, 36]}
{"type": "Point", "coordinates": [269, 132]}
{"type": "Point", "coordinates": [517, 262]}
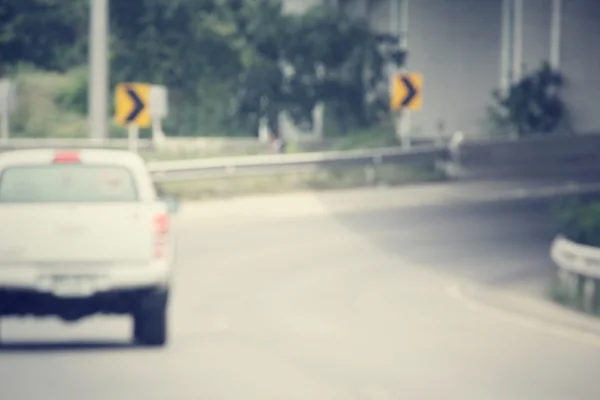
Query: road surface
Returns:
{"type": "Point", "coordinates": [325, 306]}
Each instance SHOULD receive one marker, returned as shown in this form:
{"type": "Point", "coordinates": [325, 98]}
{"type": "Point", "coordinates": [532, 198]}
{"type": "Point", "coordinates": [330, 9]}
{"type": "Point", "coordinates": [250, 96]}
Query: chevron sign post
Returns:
{"type": "Point", "coordinates": [132, 109]}
{"type": "Point", "coordinates": [405, 95]}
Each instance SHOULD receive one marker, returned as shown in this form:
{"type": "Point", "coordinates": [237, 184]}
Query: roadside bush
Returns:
{"type": "Point", "coordinates": [38, 114]}
{"type": "Point", "coordinates": [73, 94]}
{"type": "Point", "coordinates": [579, 221]}
{"type": "Point", "coordinates": [531, 106]}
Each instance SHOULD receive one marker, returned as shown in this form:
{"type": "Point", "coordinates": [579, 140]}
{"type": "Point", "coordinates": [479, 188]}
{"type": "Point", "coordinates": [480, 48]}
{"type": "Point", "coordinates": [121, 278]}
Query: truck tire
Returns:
{"type": "Point", "coordinates": [150, 321]}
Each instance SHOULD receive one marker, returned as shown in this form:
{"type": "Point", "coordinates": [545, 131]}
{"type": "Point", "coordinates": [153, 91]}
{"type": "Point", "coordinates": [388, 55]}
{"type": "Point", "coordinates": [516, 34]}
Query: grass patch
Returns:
{"type": "Point", "coordinates": [54, 105]}
{"type": "Point", "coordinates": [579, 220]}
{"type": "Point", "coordinates": [375, 137]}
{"type": "Point", "coordinates": [378, 136]}
{"type": "Point", "coordinates": [38, 113]}
{"type": "Point", "coordinates": [192, 153]}
{"type": "Point", "coordinates": [386, 175]}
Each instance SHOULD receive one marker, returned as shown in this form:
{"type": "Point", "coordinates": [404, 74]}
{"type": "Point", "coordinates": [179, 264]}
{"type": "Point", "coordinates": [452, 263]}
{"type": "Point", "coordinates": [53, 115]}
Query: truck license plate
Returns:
{"type": "Point", "coordinates": [72, 285]}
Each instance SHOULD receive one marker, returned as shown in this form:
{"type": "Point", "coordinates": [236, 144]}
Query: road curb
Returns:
{"type": "Point", "coordinates": [543, 313]}
{"type": "Point", "coordinates": [306, 204]}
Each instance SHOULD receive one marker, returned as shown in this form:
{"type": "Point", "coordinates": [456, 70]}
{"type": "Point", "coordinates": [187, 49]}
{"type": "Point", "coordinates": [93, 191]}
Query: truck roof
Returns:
{"type": "Point", "coordinates": [112, 156]}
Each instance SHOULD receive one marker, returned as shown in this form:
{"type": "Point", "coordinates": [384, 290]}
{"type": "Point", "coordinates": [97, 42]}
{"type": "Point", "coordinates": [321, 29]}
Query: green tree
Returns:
{"type": "Point", "coordinates": [50, 34]}
{"type": "Point", "coordinates": [298, 61]}
{"type": "Point", "coordinates": [191, 46]}
{"type": "Point", "coordinates": [226, 63]}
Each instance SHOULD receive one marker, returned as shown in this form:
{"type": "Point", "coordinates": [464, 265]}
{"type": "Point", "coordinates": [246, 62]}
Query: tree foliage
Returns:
{"type": "Point", "coordinates": [51, 34]}
{"type": "Point", "coordinates": [246, 55]}
{"type": "Point", "coordinates": [321, 56]}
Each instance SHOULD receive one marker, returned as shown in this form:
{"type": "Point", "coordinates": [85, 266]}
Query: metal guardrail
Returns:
{"type": "Point", "coordinates": [579, 271]}
{"type": "Point", "coordinates": [554, 156]}
{"type": "Point", "coordinates": [462, 158]}
{"type": "Point", "coordinates": [474, 158]}
{"type": "Point", "coordinates": [291, 163]}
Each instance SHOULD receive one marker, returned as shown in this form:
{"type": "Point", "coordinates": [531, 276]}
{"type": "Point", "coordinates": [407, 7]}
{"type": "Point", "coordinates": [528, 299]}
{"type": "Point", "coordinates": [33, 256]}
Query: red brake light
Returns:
{"type": "Point", "coordinates": [161, 223]}
{"type": "Point", "coordinates": [161, 228]}
{"type": "Point", "coordinates": [66, 157]}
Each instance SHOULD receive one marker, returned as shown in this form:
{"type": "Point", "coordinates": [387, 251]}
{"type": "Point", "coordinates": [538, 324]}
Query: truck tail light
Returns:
{"type": "Point", "coordinates": [161, 230]}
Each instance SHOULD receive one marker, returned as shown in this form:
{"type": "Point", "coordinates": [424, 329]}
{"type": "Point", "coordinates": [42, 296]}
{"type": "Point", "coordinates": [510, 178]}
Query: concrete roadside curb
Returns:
{"type": "Point", "coordinates": [306, 204]}
{"type": "Point", "coordinates": [535, 312]}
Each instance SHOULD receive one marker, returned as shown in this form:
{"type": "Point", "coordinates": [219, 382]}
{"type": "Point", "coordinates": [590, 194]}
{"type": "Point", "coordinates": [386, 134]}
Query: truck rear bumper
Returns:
{"type": "Point", "coordinates": [74, 294]}
{"type": "Point", "coordinates": [83, 283]}
{"type": "Point", "coordinates": [22, 303]}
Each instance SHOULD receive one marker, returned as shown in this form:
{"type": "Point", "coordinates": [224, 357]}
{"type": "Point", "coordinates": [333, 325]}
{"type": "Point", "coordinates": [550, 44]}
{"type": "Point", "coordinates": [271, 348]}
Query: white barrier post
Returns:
{"type": "Point", "coordinates": [6, 98]}
{"type": "Point", "coordinates": [589, 295]}
{"type": "Point", "coordinates": [158, 110]}
{"type": "Point", "coordinates": [132, 136]}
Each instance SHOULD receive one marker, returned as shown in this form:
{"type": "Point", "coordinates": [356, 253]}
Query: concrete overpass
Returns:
{"type": "Point", "coordinates": [467, 48]}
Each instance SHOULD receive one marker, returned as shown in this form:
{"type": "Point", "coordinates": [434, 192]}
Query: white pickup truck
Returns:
{"type": "Point", "coordinates": [83, 232]}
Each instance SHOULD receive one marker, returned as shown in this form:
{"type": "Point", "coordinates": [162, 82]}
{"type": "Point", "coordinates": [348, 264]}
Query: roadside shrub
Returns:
{"type": "Point", "coordinates": [38, 114]}
{"type": "Point", "coordinates": [73, 95]}
{"type": "Point", "coordinates": [579, 221]}
{"type": "Point", "coordinates": [531, 106]}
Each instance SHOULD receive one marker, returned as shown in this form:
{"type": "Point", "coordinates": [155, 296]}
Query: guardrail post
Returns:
{"type": "Point", "coordinates": [371, 170]}
{"type": "Point", "coordinates": [454, 146]}
{"type": "Point", "coordinates": [570, 282]}
{"type": "Point", "coordinates": [370, 174]}
{"type": "Point", "coordinates": [451, 164]}
{"type": "Point", "coordinates": [589, 295]}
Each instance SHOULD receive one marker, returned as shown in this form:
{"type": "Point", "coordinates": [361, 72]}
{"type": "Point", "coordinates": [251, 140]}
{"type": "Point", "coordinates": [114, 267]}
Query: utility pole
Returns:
{"type": "Point", "coordinates": [399, 26]}
{"type": "Point", "coordinates": [517, 40]}
{"type": "Point", "coordinates": [556, 34]}
{"type": "Point", "coordinates": [506, 47]}
{"type": "Point", "coordinates": [98, 65]}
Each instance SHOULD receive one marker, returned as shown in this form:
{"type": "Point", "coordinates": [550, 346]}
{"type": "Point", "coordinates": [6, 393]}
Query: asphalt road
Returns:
{"type": "Point", "coordinates": [352, 306]}
{"type": "Point", "coordinates": [499, 243]}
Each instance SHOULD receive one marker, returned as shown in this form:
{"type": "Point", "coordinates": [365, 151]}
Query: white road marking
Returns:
{"type": "Point", "coordinates": [376, 393]}
{"type": "Point", "coordinates": [529, 322]}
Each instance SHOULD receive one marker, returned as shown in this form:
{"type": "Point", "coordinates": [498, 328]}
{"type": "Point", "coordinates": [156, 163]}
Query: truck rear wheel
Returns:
{"type": "Point", "coordinates": [150, 321]}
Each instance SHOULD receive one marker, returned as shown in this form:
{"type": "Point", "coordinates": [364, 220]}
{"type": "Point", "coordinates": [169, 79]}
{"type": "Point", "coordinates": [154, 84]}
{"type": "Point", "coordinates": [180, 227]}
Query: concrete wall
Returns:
{"type": "Point", "coordinates": [537, 15]}
{"type": "Point", "coordinates": [378, 14]}
{"type": "Point", "coordinates": [457, 45]}
{"type": "Point", "coordinates": [580, 62]}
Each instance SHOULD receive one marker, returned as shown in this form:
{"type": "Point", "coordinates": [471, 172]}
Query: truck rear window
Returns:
{"type": "Point", "coordinates": [75, 183]}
